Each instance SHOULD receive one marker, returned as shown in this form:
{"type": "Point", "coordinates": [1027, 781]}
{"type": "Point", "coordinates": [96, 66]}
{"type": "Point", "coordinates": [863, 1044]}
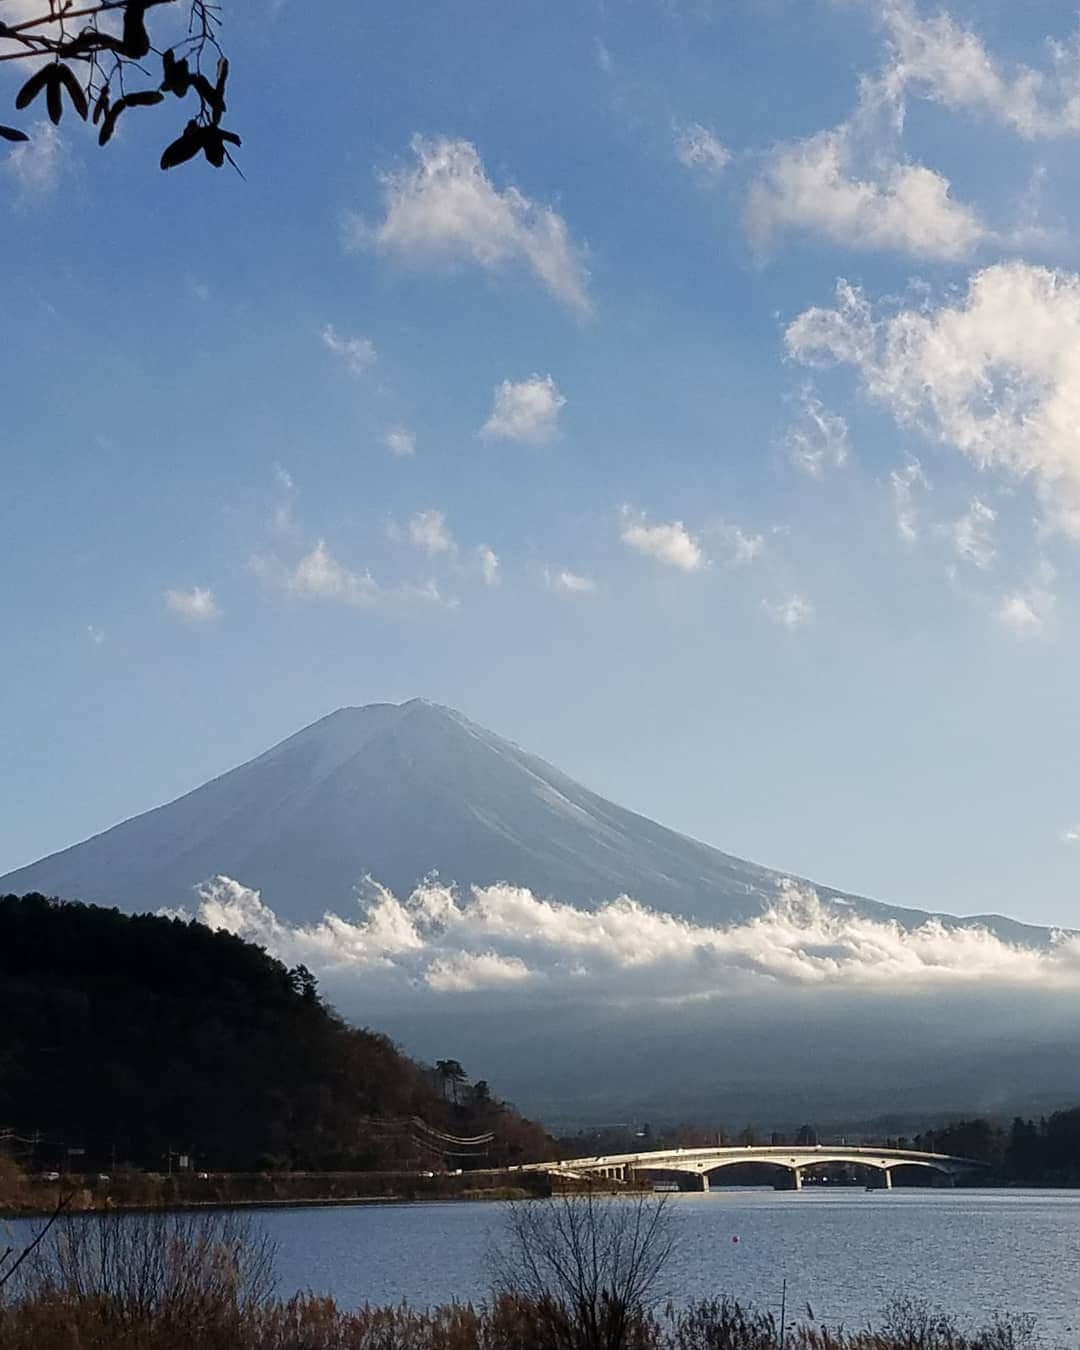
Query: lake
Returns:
{"type": "Point", "coordinates": [844, 1252]}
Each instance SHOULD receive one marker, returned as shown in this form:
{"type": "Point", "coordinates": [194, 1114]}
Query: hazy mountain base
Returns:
{"type": "Point", "coordinates": [776, 1061]}
{"type": "Point", "coordinates": [803, 1012]}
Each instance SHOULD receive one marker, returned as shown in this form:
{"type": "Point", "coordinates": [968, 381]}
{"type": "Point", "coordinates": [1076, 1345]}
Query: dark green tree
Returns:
{"type": "Point", "coordinates": [450, 1074]}
{"type": "Point", "coordinates": [134, 1036]}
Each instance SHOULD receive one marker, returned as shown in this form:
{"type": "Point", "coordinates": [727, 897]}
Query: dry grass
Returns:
{"type": "Point", "coordinates": [307, 1322]}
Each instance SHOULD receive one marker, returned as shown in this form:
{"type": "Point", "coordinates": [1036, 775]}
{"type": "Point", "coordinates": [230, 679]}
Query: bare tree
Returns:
{"type": "Point", "coordinates": [589, 1266]}
{"type": "Point", "coordinates": [97, 58]}
{"type": "Point", "coordinates": [11, 1260]}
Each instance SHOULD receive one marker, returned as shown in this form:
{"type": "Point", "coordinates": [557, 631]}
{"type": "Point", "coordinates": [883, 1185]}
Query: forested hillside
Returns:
{"type": "Point", "coordinates": [138, 1038]}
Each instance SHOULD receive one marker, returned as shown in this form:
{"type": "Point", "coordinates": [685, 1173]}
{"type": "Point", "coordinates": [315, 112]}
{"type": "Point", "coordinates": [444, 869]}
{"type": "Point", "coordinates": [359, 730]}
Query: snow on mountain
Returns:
{"type": "Point", "coordinates": [397, 791]}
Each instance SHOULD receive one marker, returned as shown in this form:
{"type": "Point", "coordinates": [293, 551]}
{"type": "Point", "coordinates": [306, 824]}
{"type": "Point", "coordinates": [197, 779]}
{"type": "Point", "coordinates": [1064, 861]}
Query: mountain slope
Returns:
{"type": "Point", "coordinates": [395, 792]}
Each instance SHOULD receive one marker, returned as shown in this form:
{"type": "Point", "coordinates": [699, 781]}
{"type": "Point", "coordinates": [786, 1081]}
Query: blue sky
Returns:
{"type": "Point", "coordinates": [690, 392]}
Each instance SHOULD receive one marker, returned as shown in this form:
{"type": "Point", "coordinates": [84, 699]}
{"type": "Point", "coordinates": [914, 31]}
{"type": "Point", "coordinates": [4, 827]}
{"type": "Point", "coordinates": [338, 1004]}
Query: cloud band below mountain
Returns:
{"type": "Point", "coordinates": [505, 938]}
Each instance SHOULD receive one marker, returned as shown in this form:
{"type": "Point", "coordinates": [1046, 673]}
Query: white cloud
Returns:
{"type": "Point", "coordinates": [488, 562]}
{"type": "Point", "coordinates": [525, 410]}
{"type": "Point", "coordinates": [1071, 835]}
{"type": "Point", "coordinates": [196, 606]}
{"type": "Point", "coordinates": [422, 593]}
{"type": "Point", "coordinates": [622, 953]}
{"type": "Point", "coordinates": [428, 532]}
{"type": "Point", "coordinates": [739, 547]}
{"type": "Point", "coordinates": [972, 534]}
{"type": "Point", "coordinates": [700, 151]}
{"type": "Point", "coordinates": [852, 185]}
{"type": "Point", "coordinates": [950, 64]}
{"type": "Point", "coordinates": [355, 353]}
{"type": "Point", "coordinates": [815, 185]}
{"type": "Point", "coordinates": [444, 209]}
{"type": "Point", "coordinates": [565, 582]}
{"type": "Point", "coordinates": [819, 439]}
{"type": "Point", "coordinates": [792, 612]}
{"type": "Point", "coordinates": [95, 634]}
{"type": "Point", "coordinates": [903, 484]}
{"type": "Point", "coordinates": [669, 542]}
{"type": "Point", "coordinates": [994, 375]}
{"type": "Point", "coordinates": [282, 521]}
{"type": "Point", "coordinates": [400, 441]}
{"type": "Point", "coordinates": [36, 166]}
{"type": "Point", "coordinates": [468, 972]}
{"type": "Point", "coordinates": [1029, 613]}
{"type": "Point", "coordinates": [319, 576]}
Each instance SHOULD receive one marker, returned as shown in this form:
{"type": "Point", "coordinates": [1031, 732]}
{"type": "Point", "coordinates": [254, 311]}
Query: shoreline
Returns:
{"type": "Point", "coordinates": [472, 1195]}
{"type": "Point", "coordinates": [205, 1206]}
{"type": "Point", "coordinates": [263, 1191]}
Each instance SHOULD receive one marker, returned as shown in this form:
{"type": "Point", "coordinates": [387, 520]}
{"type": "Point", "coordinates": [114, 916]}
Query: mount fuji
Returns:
{"type": "Point", "coordinates": [397, 792]}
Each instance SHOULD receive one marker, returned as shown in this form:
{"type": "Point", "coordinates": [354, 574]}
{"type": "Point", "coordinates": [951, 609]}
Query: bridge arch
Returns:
{"type": "Point", "coordinates": [795, 1166]}
{"type": "Point", "coordinates": [794, 1160]}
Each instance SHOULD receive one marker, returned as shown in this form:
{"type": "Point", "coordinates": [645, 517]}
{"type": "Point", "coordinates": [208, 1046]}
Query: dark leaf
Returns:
{"type": "Point", "coordinates": [222, 76]}
{"type": "Point", "coordinates": [213, 146]}
{"type": "Point", "coordinates": [186, 146]}
{"type": "Point", "coordinates": [74, 90]}
{"type": "Point", "coordinates": [177, 74]}
{"type": "Point", "coordinates": [136, 39]}
{"type": "Point", "coordinates": [231, 137]}
{"type": "Point", "coordinates": [144, 98]}
{"type": "Point", "coordinates": [12, 134]}
{"type": "Point", "coordinates": [208, 94]}
{"type": "Point", "coordinates": [108, 125]}
{"type": "Point", "coordinates": [33, 86]}
{"type": "Point", "coordinates": [101, 107]}
{"type": "Point", "coordinates": [53, 99]}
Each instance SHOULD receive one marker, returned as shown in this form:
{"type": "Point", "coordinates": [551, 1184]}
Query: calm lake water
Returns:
{"type": "Point", "coordinates": [846, 1252]}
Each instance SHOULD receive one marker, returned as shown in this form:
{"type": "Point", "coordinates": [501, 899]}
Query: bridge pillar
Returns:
{"type": "Point", "coordinates": [796, 1178]}
{"type": "Point", "coordinates": [705, 1182]}
{"type": "Point", "coordinates": [888, 1178]}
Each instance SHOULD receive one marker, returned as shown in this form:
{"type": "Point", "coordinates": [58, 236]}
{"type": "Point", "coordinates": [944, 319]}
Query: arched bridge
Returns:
{"type": "Point", "coordinates": [793, 1158]}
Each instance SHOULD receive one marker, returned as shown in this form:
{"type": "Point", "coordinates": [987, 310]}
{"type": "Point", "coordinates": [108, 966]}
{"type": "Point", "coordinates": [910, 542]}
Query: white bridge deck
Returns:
{"type": "Point", "coordinates": [793, 1158]}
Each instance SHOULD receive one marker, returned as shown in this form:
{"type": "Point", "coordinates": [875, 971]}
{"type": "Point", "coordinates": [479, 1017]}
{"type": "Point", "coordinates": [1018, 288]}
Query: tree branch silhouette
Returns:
{"type": "Point", "coordinates": [87, 67]}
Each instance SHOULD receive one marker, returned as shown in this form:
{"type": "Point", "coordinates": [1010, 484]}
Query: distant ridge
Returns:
{"type": "Point", "coordinates": [397, 791]}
